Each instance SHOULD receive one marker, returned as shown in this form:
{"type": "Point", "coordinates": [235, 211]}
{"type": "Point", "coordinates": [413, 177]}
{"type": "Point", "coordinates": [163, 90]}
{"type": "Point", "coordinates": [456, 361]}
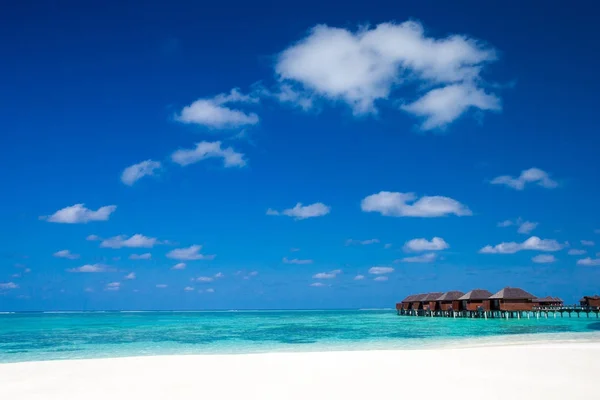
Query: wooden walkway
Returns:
{"type": "Point", "coordinates": [536, 312]}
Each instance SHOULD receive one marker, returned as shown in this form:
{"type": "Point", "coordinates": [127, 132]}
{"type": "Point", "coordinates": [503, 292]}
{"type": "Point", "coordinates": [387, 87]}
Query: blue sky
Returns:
{"type": "Point", "coordinates": [295, 157]}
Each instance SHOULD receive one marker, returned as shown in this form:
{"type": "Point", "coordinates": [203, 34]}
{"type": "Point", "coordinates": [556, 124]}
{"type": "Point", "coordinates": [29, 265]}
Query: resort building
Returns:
{"type": "Point", "coordinates": [449, 301]}
{"type": "Point", "coordinates": [475, 300]}
{"type": "Point", "coordinates": [590, 301]}
{"type": "Point", "coordinates": [512, 299]}
{"type": "Point", "coordinates": [548, 301]}
{"type": "Point", "coordinates": [430, 300]}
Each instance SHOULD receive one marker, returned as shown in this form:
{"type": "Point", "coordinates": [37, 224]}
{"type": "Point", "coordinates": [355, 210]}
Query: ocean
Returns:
{"type": "Point", "coordinates": [77, 335]}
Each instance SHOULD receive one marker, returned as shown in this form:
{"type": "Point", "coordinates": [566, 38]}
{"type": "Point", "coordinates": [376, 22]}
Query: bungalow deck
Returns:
{"type": "Point", "coordinates": [535, 312]}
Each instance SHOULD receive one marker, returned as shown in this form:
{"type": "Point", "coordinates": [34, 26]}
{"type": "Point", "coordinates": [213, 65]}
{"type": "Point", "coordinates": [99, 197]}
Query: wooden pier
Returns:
{"type": "Point", "coordinates": [535, 312]}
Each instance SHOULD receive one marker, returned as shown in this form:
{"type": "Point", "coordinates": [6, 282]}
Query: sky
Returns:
{"type": "Point", "coordinates": [179, 155]}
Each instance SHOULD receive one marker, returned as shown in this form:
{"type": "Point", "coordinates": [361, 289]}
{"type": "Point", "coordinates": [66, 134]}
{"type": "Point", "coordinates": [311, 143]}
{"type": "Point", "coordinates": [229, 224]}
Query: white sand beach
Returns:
{"type": "Point", "coordinates": [541, 371]}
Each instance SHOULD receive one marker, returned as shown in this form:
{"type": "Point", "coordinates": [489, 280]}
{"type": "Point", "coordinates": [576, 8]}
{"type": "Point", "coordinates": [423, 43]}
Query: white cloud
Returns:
{"type": "Point", "coordinates": [113, 286]}
{"type": "Point", "coordinates": [533, 243]}
{"type": "Point", "coordinates": [350, 242]}
{"type": "Point", "coordinates": [506, 223]}
{"type": "Point", "coordinates": [423, 258]}
{"type": "Point", "coordinates": [369, 65]}
{"type": "Point", "coordinates": [576, 252]}
{"type": "Point", "coordinates": [145, 256]}
{"type": "Point", "coordinates": [204, 150]}
{"type": "Point", "coordinates": [531, 175]}
{"type": "Point", "coordinates": [9, 285]}
{"type": "Point", "coordinates": [381, 278]}
{"type": "Point", "coordinates": [394, 204]}
{"type": "Point", "coordinates": [381, 270]}
{"type": "Point", "coordinates": [296, 261]}
{"type": "Point", "coordinates": [78, 214]}
{"type": "Point", "coordinates": [161, 286]}
{"type": "Point", "coordinates": [588, 261]}
{"type": "Point", "coordinates": [526, 227]}
{"type": "Point", "coordinates": [66, 254]}
{"type": "Point", "coordinates": [214, 112]}
{"type": "Point", "coordinates": [189, 253]}
{"type": "Point", "coordinates": [188, 289]}
{"type": "Point", "coordinates": [317, 284]}
{"type": "Point", "coordinates": [442, 106]}
{"type": "Point", "coordinates": [130, 275]}
{"type": "Point", "coordinates": [219, 275]}
{"type": "Point", "coordinates": [92, 238]}
{"type": "Point", "coordinates": [359, 277]}
{"type": "Point", "coordinates": [302, 212]}
{"type": "Point", "coordinates": [544, 259]}
{"type": "Point", "coordinates": [204, 279]}
{"type": "Point", "coordinates": [135, 172]}
{"type": "Point", "coordinates": [587, 243]}
{"type": "Point", "coordinates": [89, 268]}
{"type": "Point", "coordinates": [135, 241]}
{"type": "Point", "coordinates": [328, 275]}
{"type": "Point", "coordinates": [422, 244]}
{"type": "Point", "coordinates": [179, 266]}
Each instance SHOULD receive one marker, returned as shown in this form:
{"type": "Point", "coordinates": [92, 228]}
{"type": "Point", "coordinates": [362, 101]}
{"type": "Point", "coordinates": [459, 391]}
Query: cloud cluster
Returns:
{"type": "Point", "coordinates": [396, 204]}
{"type": "Point", "coordinates": [66, 254]}
{"type": "Point", "coordinates": [371, 64]}
{"type": "Point", "coordinates": [531, 175]}
{"type": "Point", "coordinates": [136, 241]}
{"type": "Point", "coordinates": [135, 172]}
{"type": "Point", "coordinates": [327, 275]}
{"type": "Point", "coordinates": [9, 285]}
{"type": "Point", "coordinates": [381, 270]}
{"type": "Point", "coordinates": [205, 150]}
{"type": "Point", "coordinates": [79, 214]}
{"type": "Point", "coordinates": [303, 212]}
{"type": "Point", "coordinates": [113, 286]}
{"type": "Point", "coordinates": [524, 227]}
{"type": "Point", "coordinates": [533, 243]}
{"type": "Point", "coordinates": [589, 262]}
{"type": "Point", "coordinates": [544, 259]}
{"type": "Point", "coordinates": [89, 268]}
{"type": "Point", "coordinates": [189, 254]}
{"type": "Point", "coordinates": [422, 244]}
{"type": "Point", "coordinates": [145, 256]}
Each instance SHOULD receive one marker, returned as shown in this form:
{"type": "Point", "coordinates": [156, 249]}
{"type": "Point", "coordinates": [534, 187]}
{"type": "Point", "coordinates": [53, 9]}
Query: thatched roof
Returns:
{"type": "Point", "coordinates": [547, 299]}
{"type": "Point", "coordinates": [594, 297]}
{"type": "Point", "coordinates": [408, 298]}
{"type": "Point", "coordinates": [558, 300]}
{"type": "Point", "coordinates": [476, 294]}
{"type": "Point", "coordinates": [419, 297]}
{"type": "Point", "coordinates": [509, 293]}
{"type": "Point", "coordinates": [432, 296]}
{"type": "Point", "coordinates": [450, 296]}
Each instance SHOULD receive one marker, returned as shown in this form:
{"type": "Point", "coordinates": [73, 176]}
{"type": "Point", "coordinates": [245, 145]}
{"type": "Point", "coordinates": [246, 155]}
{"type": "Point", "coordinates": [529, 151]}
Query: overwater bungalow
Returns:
{"type": "Point", "coordinates": [590, 301]}
{"type": "Point", "coordinates": [475, 300]}
{"type": "Point", "coordinates": [430, 300]}
{"type": "Point", "coordinates": [405, 304]}
{"type": "Point", "coordinates": [548, 301]}
{"type": "Point", "coordinates": [512, 299]}
{"type": "Point", "coordinates": [449, 301]}
{"type": "Point", "coordinates": [416, 303]}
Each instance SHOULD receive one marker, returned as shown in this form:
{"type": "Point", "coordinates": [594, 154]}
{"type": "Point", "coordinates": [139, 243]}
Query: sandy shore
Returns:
{"type": "Point", "coordinates": [542, 371]}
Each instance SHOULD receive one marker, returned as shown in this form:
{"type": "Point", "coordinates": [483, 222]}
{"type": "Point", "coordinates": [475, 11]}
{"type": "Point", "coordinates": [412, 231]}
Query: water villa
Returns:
{"type": "Point", "coordinates": [508, 302]}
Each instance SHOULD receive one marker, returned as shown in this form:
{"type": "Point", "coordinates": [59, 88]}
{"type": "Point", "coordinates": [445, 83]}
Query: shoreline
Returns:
{"type": "Point", "coordinates": [544, 370]}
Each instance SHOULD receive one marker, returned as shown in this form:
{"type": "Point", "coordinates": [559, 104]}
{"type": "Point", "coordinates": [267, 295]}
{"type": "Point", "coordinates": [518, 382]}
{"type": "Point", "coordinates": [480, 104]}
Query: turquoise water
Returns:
{"type": "Point", "coordinates": [51, 336]}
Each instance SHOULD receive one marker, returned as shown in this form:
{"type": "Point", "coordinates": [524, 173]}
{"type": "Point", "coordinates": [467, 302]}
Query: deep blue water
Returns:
{"type": "Point", "coordinates": [49, 336]}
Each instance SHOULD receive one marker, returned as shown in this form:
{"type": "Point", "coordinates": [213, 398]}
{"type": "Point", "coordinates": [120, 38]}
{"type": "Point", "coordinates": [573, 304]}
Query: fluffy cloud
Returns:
{"type": "Point", "coordinates": [524, 227]}
{"type": "Point", "coordinates": [66, 254]}
{"type": "Point", "coordinates": [219, 275]}
{"type": "Point", "coordinates": [328, 275]}
{"type": "Point", "coordinates": [189, 253]}
{"type": "Point", "coordinates": [423, 258]}
{"type": "Point", "coordinates": [359, 277]}
{"type": "Point", "coordinates": [588, 261]}
{"type": "Point", "coordinates": [303, 212]}
{"type": "Point", "coordinates": [188, 289]}
{"type": "Point", "coordinates": [533, 243]}
{"type": "Point", "coordinates": [9, 285]}
{"type": "Point", "coordinates": [113, 286]}
{"type": "Point", "coordinates": [576, 252]}
{"type": "Point", "coordinates": [145, 256]}
{"type": "Point", "coordinates": [395, 204]}
{"type": "Point", "coordinates": [135, 241]}
{"type": "Point", "coordinates": [351, 242]}
{"type": "Point", "coordinates": [204, 150]}
{"type": "Point", "coordinates": [381, 278]}
{"type": "Point", "coordinates": [369, 65]}
{"type": "Point", "coordinates": [135, 172]}
{"type": "Point", "coordinates": [215, 113]}
{"type": "Point", "coordinates": [130, 275]}
{"type": "Point", "coordinates": [587, 243]}
{"type": "Point", "coordinates": [531, 175]}
{"type": "Point", "coordinates": [179, 266]}
{"type": "Point", "coordinates": [89, 268]}
{"type": "Point", "coordinates": [296, 261]}
{"type": "Point", "coordinates": [92, 238]}
{"type": "Point", "coordinates": [423, 244]}
{"type": "Point", "coordinates": [78, 214]}
{"type": "Point", "coordinates": [381, 270]}
{"type": "Point", "coordinates": [544, 259]}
